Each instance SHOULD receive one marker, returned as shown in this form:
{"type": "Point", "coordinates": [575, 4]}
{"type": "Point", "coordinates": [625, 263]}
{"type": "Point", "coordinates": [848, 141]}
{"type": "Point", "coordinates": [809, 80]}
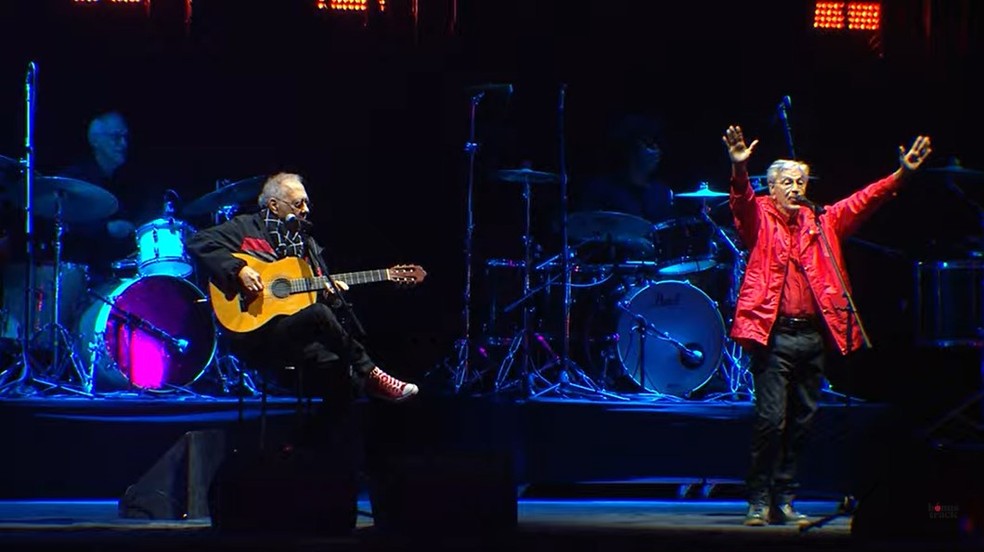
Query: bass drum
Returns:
{"type": "Point", "coordinates": [670, 337]}
{"type": "Point", "coordinates": [153, 333]}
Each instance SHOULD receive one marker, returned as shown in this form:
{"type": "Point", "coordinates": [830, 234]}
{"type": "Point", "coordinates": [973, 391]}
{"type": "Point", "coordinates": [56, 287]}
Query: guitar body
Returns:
{"type": "Point", "coordinates": [241, 315]}
{"type": "Point", "coordinates": [289, 285]}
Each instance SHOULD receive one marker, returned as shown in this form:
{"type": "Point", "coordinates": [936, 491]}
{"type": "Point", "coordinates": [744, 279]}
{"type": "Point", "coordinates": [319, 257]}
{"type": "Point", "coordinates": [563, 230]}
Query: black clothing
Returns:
{"type": "Point", "coordinates": [90, 243]}
{"type": "Point", "coordinates": [609, 193]}
{"type": "Point", "coordinates": [787, 372]}
{"type": "Point", "coordinates": [313, 336]}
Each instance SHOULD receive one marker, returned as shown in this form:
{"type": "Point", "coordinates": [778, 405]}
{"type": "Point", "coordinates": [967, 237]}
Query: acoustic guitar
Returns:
{"type": "Point", "coordinates": [289, 285]}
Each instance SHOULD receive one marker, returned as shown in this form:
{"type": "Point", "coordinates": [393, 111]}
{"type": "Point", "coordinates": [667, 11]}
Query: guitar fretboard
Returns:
{"type": "Point", "coordinates": [304, 285]}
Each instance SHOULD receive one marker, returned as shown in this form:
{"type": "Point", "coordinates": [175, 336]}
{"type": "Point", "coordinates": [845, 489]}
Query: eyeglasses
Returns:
{"type": "Point", "coordinates": [296, 204]}
{"type": "Point", "coordinates": [116, 136]}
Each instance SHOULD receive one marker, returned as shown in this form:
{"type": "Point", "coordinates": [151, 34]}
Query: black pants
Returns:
{"type": "Point", "coordinates": [313, 338]}
{"type": "Point", "coordinates": [788, 373]}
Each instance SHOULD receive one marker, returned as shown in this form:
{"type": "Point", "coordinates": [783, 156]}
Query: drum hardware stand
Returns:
{"type": "Point", "coordinates": [849, 503]}
{"type": "Point", "coordinates": [25, 361]}
{"type": "Point", "coordinates": [521, 340]}
{"type": "Point", "coordinates": [738, 371]}
{"type": "Point", "coordinates": [229, 368]}
{"type": "Point", "coordinates": [567, 368]}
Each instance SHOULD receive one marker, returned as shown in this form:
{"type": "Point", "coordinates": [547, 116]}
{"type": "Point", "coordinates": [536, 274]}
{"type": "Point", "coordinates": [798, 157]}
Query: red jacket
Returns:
{"type": "Point", "coordinates": [764, 231]}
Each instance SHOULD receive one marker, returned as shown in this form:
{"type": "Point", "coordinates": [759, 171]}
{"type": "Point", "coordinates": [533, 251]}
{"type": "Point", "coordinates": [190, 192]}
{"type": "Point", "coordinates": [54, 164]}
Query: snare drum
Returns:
{"type": "Point", "coordinates": [152, 332]}
{"type": "Point", "coordinates": [160, 248]}
{"type": "Point", "coordinates": [684, 246]}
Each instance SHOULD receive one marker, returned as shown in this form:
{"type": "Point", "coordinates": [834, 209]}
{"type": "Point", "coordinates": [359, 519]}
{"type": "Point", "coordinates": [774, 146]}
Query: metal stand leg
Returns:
{"type": "Point", "coordinates": [461, 372]}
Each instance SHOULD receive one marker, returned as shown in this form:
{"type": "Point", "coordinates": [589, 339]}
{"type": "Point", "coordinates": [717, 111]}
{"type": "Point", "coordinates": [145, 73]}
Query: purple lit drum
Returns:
{"type": "Point", "coordinates": [156, 335]}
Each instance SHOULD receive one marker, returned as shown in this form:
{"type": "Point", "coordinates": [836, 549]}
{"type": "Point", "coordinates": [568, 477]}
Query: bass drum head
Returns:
{"type": "Point", "coordinates": [157, 334]}
{"type": "Point", "coordinates": [677, 310]}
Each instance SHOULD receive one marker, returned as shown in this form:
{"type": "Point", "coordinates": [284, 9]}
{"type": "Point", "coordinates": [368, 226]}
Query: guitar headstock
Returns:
{"type": "Point", "coordinates": [406, 275]}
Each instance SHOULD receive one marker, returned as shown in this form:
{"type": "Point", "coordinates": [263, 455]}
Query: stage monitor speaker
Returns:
{"type": "Point", "coordinates": [296, 490]}
{"type": "Point", "coordinates": [176, 486]}
{"type": "Point", "coordinates": [447, 494]}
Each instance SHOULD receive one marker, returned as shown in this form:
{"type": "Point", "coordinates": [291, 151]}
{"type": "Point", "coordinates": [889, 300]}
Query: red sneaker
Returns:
{"type": "Point", "coordinates": [381, 385]}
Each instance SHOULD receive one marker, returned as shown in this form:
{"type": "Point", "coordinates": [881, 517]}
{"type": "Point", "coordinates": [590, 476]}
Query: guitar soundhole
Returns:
{"type": "Point", "coordinates": [280, 288]}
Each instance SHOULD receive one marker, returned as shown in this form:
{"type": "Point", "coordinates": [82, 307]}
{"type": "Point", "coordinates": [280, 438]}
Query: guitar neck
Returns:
{"type": "Point", "coordinates": [301, 285]}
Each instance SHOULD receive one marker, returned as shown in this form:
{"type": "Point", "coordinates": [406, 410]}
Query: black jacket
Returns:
{"type": "Point", "coordinates": [213, 247]}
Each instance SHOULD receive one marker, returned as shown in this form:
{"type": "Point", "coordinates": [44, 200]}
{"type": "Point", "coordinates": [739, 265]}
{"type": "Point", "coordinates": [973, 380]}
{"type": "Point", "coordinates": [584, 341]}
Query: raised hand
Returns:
{"type": "Point", "coordinates": [735, 141]}
{"type": "Point", "coordinates": [918, 153]}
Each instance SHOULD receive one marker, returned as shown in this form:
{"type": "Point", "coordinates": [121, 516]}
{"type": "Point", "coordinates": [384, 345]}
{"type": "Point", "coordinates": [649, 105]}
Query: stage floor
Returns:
{"type": "Point", "coordinates": [542, 525]}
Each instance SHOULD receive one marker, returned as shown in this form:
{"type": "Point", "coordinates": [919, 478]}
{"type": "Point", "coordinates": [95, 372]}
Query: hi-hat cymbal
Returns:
{"type": "Point", "coordinates": [78, 200]}
{"type": "Point", "coordinates": [703, 192]}
{"type": "Point", "coordinates": [954, 168]}
{"type": "Point", "coordinates": [526, 175]}
{"type": "Point", "coordinates": [237, 193]}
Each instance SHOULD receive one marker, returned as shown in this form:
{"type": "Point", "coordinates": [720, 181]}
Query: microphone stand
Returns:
{"type": "Point", "coordinates": [788, 131]}
{"type": "Point", "coordinates": [463, 346]}
{"type": "Point", "coordinates": [849, 502]}
{"type": "Point", "coordinates": [30, 86]}
{"type": "Point", "coordinates": [333, 287]}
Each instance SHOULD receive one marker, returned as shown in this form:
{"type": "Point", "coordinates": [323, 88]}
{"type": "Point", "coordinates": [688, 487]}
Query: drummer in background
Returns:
{"type": "Point", "coordinates": [630, 184]}
{"type": "Point", "coordinates": [98, 244]}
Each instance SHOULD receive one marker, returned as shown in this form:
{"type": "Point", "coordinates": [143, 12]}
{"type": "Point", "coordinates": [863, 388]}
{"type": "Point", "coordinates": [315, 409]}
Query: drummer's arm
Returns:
{"type": "Point", "coordinates": [212, 248]}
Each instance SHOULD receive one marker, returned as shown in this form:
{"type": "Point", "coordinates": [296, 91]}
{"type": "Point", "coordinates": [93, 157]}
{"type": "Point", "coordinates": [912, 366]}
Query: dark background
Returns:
{"type": "Point", "coordinates": [374, 112]}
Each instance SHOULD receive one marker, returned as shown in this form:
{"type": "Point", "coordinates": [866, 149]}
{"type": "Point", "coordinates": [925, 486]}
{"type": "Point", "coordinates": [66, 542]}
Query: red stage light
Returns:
{"type": "Point", "coordinates": [863, 16]}
{"type": "Point", "coordinates": [855, 16]}
{"type": "Point", "coordinates": [828, 15]}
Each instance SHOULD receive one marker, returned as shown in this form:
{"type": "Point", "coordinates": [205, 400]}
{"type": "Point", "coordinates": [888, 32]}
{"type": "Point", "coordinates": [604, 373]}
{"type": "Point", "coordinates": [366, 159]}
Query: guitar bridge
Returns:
{"type": "Point", "coordinates": [243, 304]}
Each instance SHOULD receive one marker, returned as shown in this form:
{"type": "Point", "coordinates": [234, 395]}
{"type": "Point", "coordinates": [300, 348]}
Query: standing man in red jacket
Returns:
{"type": "Point", "coordinates": [791, 301]}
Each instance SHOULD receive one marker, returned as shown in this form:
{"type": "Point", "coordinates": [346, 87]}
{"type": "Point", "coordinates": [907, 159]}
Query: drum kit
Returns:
{"type": "Point", "coordinates": [148, 328]}
{"type": "Point", "coordinates": [649, 311]}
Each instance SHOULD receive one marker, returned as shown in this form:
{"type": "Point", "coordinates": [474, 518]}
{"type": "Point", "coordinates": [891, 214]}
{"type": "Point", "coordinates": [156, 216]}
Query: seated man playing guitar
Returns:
{"type": "Point", "coordinates": [269, 282]}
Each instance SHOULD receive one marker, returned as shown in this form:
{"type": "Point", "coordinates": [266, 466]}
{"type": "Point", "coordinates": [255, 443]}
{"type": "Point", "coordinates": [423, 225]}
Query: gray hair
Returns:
{"type": "Point", "coordinates": [780, 165]}
{"type": "Point", "coordinates": [274, 186]}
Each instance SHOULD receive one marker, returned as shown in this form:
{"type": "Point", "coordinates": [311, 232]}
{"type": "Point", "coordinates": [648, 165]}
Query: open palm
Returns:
{"type": "Point", "coordinates": [737, 149]}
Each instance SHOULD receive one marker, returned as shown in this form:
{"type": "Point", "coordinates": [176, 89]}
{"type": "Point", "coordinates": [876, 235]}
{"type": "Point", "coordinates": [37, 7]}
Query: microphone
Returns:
{"type": "Point", "coordinates": [297, 224]}
{"type": "Point", "coordinates": [691, 357]}
{"type": "Point", "coordinates": [801, 200]}
{"type": "Point", "coordinates": [491, 87]}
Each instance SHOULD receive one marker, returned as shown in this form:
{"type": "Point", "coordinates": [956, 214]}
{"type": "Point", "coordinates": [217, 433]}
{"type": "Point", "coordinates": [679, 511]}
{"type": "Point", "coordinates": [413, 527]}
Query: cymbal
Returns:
{"type": "Point", "coordinates": [237, 193]}
{"type": "Point", "coordinates": [8, 165]}
{"type": "Point", "coordinates": [610, 226]}
{"type": "Point", "coordinates": [703, 192]}
{"type": "Point", "coordinates": [956, 169]}
{"type": "Point", "coordinates": [526, 175]}
{"type": "Point", "coordinates": [80, 201]}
